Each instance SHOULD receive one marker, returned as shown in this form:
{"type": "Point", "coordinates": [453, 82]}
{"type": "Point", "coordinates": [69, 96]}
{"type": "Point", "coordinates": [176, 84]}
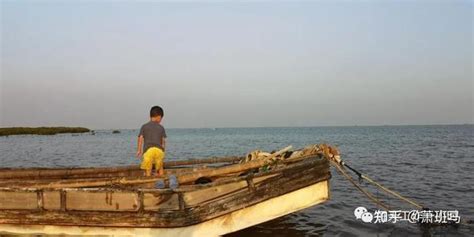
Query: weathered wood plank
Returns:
{"type": "Point", "coordinates": [18, 173]}
{"type": "Point", "coordinates": [159, 201]}
{"type": "Point", "coordinates": [18, 200]}
{"type": "Point", "coordinates": [52, 200]}
{"type": "Point", "coordinates": [200, 196]}
{"type": "Point", "coordinates": [102, 201]}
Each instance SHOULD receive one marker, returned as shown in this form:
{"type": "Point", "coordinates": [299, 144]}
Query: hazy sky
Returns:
{"type": "Point", "coordinates": [102, 64]}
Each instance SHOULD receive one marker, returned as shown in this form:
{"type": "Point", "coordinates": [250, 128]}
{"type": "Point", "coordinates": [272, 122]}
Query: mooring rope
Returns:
{"type": "Point", "coordinates": [381, 187]}
{"type": "Point", "coordinates": [339, 165]}
{"type": "Point", "coordinates": [392, 192]}
{"type": "Point", "coordinates": [355, 184]}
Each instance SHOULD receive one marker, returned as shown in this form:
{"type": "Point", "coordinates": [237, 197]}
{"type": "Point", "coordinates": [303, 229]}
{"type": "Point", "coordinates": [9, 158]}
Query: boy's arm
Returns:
{"type": "Point", "coordinates": [140, 146]}
{"type": "Point", "coordinates": [163, 140]}
{"type": "Point", "coordinates": [163, 143]}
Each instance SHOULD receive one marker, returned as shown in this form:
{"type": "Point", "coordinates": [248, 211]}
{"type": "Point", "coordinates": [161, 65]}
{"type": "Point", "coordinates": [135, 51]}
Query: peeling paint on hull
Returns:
{"type": "Point", "coordinates": [237, 220]}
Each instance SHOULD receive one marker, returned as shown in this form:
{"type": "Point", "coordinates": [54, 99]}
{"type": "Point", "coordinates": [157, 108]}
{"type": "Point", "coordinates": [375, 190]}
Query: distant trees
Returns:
{"type": "Point", "coordinates": [41, 130]}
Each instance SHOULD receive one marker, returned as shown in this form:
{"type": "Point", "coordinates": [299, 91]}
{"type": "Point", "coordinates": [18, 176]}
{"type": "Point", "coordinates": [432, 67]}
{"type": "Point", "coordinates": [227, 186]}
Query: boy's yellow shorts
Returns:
{"type": "Point", "coordinates": [153, 155]}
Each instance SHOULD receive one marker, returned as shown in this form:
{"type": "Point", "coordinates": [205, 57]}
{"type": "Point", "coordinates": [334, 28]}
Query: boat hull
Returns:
{"type": "Point", "coordinates": [240, 219]}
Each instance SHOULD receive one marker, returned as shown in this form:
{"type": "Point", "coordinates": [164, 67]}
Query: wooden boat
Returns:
{"type": "Point", "coordinates": [215, 196]}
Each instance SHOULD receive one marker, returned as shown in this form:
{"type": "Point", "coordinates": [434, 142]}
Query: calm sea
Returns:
{"type": "Point", "coordinates": [434, 165]}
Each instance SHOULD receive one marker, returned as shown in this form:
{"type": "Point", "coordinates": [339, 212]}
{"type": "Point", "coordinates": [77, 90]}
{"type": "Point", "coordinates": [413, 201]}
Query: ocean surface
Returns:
{"type": "Point", "coordinates": [433, 165]}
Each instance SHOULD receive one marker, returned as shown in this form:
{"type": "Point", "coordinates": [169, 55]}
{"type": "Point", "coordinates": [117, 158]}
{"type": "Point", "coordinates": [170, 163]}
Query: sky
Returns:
{"type": "Point", "coordinates": [103, 64]}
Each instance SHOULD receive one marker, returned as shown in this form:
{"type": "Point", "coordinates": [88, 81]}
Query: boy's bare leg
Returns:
{"type": "Point", "coordinates": [147, 173]}
{"type": "Point", "coordinates": [161, 171]}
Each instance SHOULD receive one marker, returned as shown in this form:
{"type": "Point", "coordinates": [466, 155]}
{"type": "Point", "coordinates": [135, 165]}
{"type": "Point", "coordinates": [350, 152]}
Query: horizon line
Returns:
{"type": "Point", "coordinates": [305, 126]}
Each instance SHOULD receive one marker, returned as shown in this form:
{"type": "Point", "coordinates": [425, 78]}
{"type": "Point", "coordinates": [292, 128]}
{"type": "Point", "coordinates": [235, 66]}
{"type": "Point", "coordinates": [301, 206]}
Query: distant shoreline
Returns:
{"type": "Point", "coordinates": [41, 130]}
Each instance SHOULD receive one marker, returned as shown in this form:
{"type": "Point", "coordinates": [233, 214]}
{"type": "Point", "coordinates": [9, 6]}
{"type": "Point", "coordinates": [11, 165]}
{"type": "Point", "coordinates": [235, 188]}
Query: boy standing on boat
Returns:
{"type": "Point", "coordinates": [151, 143]}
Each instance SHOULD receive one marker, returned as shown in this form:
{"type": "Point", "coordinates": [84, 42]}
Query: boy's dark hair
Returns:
{"type": "Point", "coordinates": [156, 111]}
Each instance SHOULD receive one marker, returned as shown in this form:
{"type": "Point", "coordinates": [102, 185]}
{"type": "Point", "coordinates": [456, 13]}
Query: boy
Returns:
{"type": "Point", "coordinates": [151, 143]}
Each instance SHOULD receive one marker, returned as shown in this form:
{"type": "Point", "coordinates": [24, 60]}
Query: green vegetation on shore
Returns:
{"type": "Point", "coordinates": [41, 130]}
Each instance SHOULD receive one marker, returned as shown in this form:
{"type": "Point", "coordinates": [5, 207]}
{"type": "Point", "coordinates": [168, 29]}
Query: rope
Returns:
{"type": "Point", "coordinates": [339, 166]}
{"type": "Point", "coordinates": [378, 185]}
{"type": "Point", "coordinates": [332, 154]}
{"type": "Point", "coordinates": [365, 192]}
{"type": "Point", "coordinates": [392, 192]}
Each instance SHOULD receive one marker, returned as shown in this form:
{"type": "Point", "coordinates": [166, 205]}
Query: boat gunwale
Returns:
{"type": "Point", "coordinates": [7, 173]}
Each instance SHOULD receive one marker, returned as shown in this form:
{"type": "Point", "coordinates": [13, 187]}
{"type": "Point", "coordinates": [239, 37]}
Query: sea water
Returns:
{"type": "Point", "coordinates": [433, 165]}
